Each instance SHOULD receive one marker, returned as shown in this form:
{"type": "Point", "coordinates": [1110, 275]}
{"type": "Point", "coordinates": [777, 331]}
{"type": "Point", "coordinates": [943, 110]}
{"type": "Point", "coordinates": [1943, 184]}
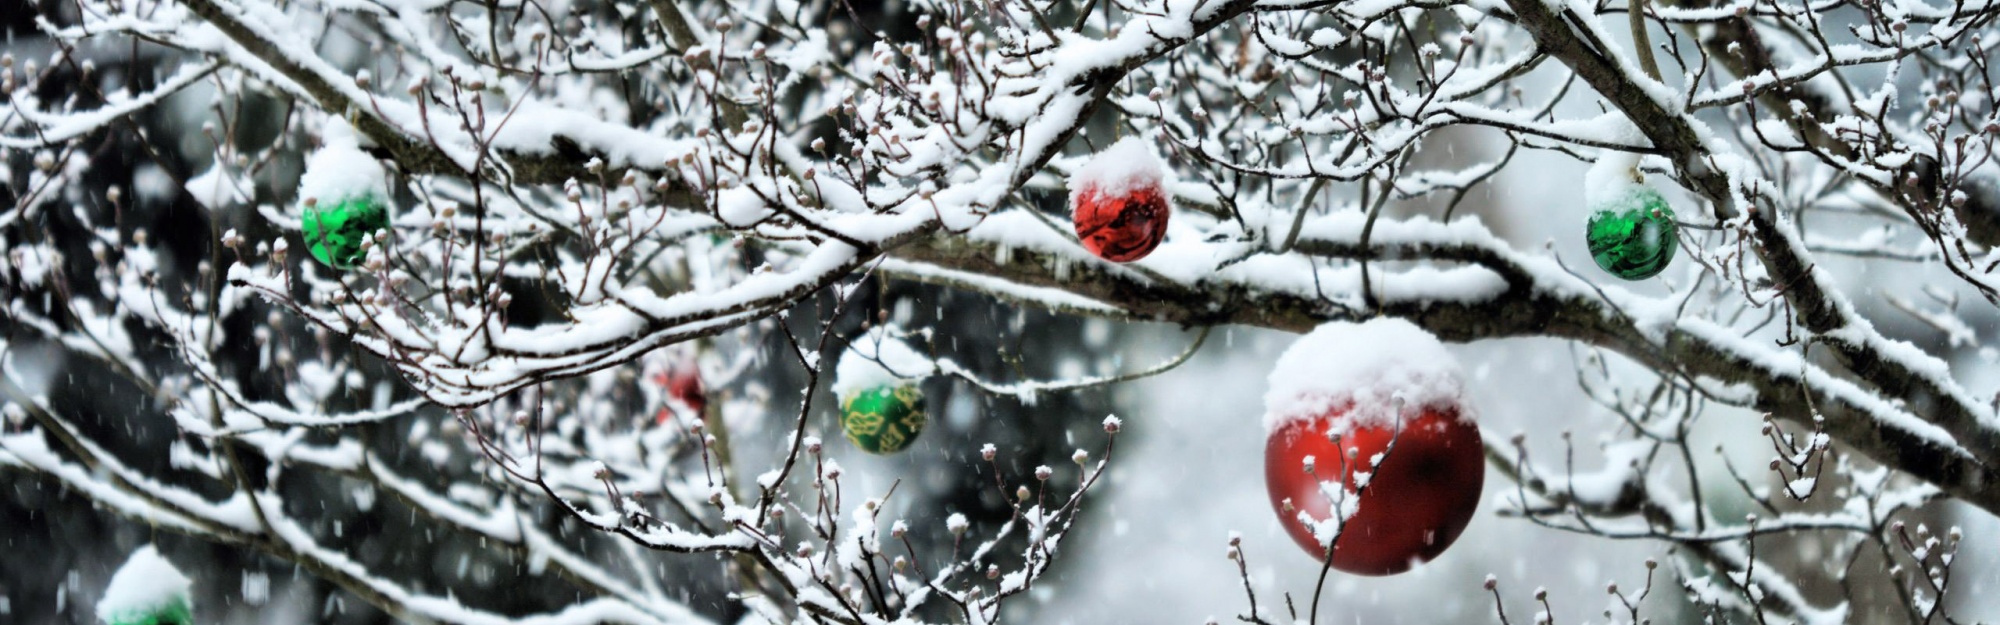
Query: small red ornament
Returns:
{"type": "Point", "coordinates": [684, 387]}
{"type": "Point", "coordinates": [1118, 204]}
{"type": "Point", "coordinates": [1415, 503]}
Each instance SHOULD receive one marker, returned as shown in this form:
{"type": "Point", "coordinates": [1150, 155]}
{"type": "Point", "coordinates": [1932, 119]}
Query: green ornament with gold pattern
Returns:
{"type": "Point", "coordinates": [883, 419]}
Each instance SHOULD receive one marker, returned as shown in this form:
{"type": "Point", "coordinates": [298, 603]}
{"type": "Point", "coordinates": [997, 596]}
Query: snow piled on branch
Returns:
{"type": "Point", "coordinates": [878, 359]}
{"type": "Point", "coordinates": [1370, 365]}
{"type": "Point", "coordinates": [1125, 165]}
{"type": "Point", "coordinates": [146, 584]}
{"type": "Point", "coordinates": [215, 188]}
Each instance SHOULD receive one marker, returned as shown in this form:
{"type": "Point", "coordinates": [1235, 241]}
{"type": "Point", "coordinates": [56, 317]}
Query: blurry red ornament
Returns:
{"type": "Point", "coordinates": [1118, 204]}
{"type": "Point", "coordinates": [683, 383]}
{"type": "Point", "coordinates": [1414, 504]}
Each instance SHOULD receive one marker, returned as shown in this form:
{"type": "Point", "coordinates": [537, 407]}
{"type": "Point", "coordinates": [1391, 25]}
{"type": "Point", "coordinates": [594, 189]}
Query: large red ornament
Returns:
{"type": "Point", "coordinates": [1121, 228]}
{"type": "Point", "coordinates": [1413, 505]}
{"type": "Point", "coordinates": [683, 383]}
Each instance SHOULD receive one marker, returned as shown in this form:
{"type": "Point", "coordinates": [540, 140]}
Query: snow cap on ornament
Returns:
{"type": "Point", "coordinates": [881, 406]}
{"type": "Point", "coordinates": [1118, 202]}
{"type": "Point", "coordinates": [1371, 365]}
{"type": "Point", "coordinates": [1612, 178]}
{"type": "Point", "coordinates": [876, 359]}
{"type": "Point", "coordinates": [344, 197]}
{"type": "Point", "coordinates": [147, 590]}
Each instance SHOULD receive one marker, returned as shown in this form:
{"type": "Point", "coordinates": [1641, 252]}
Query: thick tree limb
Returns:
{"type": "Point", "coordinates": [1531, 305]}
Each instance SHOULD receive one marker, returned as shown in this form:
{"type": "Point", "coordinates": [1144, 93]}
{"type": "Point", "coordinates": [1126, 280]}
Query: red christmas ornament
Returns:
{"type": "Point", "coordinates": [684, 387]}
{"type": "Point", "coordinates": [1369, 438]}
{"type": "Point", "coordinates": [1415, 503]}
{"type": "Point", "coordinates": [1121, 228]}
{"type": "Point", "coordinates": [1118, 205]}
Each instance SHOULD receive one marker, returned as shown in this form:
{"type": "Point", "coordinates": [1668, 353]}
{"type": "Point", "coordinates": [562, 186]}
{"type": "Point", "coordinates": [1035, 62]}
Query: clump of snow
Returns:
{"type": "Point", "coordinates": [152, 183]}
{"type": "Point", "coordinates": [340, 170]}
{"type": "Point", "coordinates": [1125, 165]}
{"type": "Point", "coordinates": [878, 359]}
{"type": "Point", "coordinates": [1612, 179]}
{"type": "Point", "coordinates": [215, 188]}
{"type": "Point", "coordinates": [740, 206]}
{"type": "Point", "coordinates": [35, 263]}
{"type": "Point", "coordinates": [146, 584]}
{"type": "Point", "coordinates": [1370, 365]}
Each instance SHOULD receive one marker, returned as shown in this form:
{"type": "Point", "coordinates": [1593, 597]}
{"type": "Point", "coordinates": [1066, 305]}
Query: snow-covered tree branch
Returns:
{"type": "Point", "coordinates": [587, 288]}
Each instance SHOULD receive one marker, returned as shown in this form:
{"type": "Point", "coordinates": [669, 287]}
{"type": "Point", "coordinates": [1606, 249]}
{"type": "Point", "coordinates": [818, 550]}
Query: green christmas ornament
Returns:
{"type": "Point", "coordinates": [1633, 235]}
{"type": "Point", "coordinates": [334, 230]}
{"type": "Point", "coordinates": [347, 194]}
{"type": "Point", "coordinates": [883, 419]}
{"type": "Point", "coordinates": [171, 614]}
{"type": "Point", "coordinates": [147, 590]}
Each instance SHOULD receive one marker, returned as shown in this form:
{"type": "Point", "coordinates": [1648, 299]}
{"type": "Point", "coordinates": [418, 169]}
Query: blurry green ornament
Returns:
{"type": "Point", "coordinates": [147, 590]}
{"type": "Point", "coordinates": [334, 230]}
{"type": "Point", "coordinates": [1633, 236]}
{"type": "Point", "coordinates": [177, 613]}
{"type": "Point", "coordinates": [883, 419]}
